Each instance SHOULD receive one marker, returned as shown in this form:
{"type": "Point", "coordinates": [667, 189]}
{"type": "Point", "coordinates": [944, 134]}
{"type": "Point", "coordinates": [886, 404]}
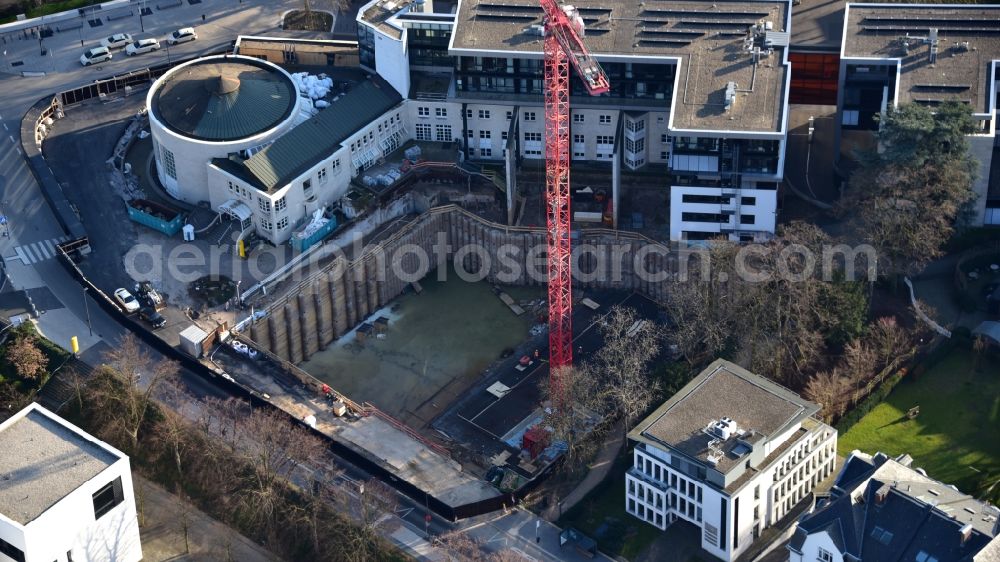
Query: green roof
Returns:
{"type": "Point", "coordinates": [222, 99]}
{"type": "Point", "coordinates": [311, 141]}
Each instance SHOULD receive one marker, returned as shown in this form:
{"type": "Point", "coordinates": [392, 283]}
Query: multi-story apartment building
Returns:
{"type": "Point", "coordinates": [881, 508]}
{"type": "Point", "coordinates": [730, 453]}
{"type": "Point", "coordinates": [921, 53]}
{"type": "Point", "coordinates": [698, 94]}
{"type": "Point", "coordinates": [64, 495]}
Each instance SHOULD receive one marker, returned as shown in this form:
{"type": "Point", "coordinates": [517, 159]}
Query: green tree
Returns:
{"type": "Point", "coordinates": [906, 199]}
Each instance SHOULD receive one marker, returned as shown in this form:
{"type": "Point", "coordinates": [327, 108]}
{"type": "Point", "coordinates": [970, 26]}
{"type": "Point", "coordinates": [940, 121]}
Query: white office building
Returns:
{"type": "Point", "coordinates": [698, 95]}
{"type": "Point", "coordinates": [64, 495]}
{"type": "Point", "coordinates": [731, 453]}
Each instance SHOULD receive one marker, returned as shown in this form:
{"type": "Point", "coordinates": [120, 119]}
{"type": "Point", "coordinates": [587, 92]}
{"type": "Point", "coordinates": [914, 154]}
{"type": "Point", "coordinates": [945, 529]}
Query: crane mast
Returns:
{"type": "Point", "coordinates": [563, 47]}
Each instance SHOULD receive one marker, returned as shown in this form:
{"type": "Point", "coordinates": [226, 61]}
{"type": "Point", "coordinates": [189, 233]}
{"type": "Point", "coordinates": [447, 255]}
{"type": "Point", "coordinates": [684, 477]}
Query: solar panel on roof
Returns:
{"type": "Point", "coordinates": [943, 87]}
{"type": "Point", "coordinates": [709, 23]}
{"type": "Point", "coordinates": [921, 30]}
{"type": "Point", "coordinates": [665, 42]}
{"type": "Point", "coordinates": [678, 33]}
{"type": "Point", "coordinates": [512, 17]}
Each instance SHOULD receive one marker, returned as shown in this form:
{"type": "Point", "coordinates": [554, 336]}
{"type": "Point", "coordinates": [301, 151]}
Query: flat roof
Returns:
{"type": "Point", "coordinates": [378, 13]}
{"type": "Point", "coordinates": [762, 408]}
{"type": "Point", "coordinates": [708, 38]}
{"type": "Point", "coordinates": [44, 459]}
{"type": "Point", "coordinates": [879, 31]}
{"type": "Point", "coordinates": [818, 25]}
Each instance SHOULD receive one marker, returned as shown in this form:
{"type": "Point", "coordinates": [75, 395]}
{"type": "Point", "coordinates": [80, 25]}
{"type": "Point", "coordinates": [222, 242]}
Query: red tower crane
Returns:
{"type": "Point", "coordinates": [563, 47]}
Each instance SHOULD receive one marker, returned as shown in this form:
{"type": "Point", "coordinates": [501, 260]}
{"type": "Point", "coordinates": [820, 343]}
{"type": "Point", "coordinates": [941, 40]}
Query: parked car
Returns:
{"type": "Point", "coordinates": [116, 41]}
{"type": "Point", "coordinates": [182, 35]}
{"type": "Point", "coordinates": [126, 299]}
{"type": "Point", "coordinates": [148, 295]}
{"type": "Point", "coordinates": [155, 319]}
{"type": "Point", "coordinates": [95, 55]}
{"type": "Point", "coordinates": [142, 46]}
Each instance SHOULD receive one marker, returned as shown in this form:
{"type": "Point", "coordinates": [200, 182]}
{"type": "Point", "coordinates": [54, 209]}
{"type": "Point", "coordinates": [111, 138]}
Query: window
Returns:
{"type": "Point", "coordinates": [579, 155]}
{"type": "Point", "coordinates": [635, 146]}
{"type": "Point", "coordinates": [922, 556]}
{"type": "Point", "coordinates": [485, 134]}
{"type": "Point", "coordinates": [528, 152]}
{"type": "Point", "coordinates": [468, 114]}
{"type": "Point", "coordinates": [823, 555]}
{"type": "Point", "coordinates": [532, 137]}
{"type": "Point", "coordinates": [423, 111]}
{"type": "Point", "coordinates": [470, 133]}
{"type": "Point", "coordinates": [266, 225]}
{"type": "Point", "coordinates": [283, 223]}
{"type": "Point", "coordinates": [442, 133]}
{"type": "Point", "coordinates": [440, 111]}
{"type": "Point", "coordinates": [635, 126]}
{"type": "Point", "coordinates": [665, 138]}
{"type": "Point", "coordinates": [280, 204]}
{"type": "Point", "coordinates": [335, 166]}
{"type": "Point", "coordinates": [503, 135]}
{"type": "Point", "coordinates": [578, 117]}
{"type": "Point", "coordinates": [108, 497]}
{"type": "Point", "coordinates": [756, 494]}
{"type": "Point", "coordinates": [529, 115]}
{"type": "Point", "coordinates": [322, 175]}
{"type": "Point", "coordinates": [169, 166]}
{"type": "Point", "coordinates": [306, 186]}
{"type": "Point", "coordinates": [664, 155]}
{"type": "Point", "coordinates": [422, 131]}
{"type": "Point", "coordinates": [509, 115]}
{"type": "Point", "coordinates": [748, 200]}
{"type": "Point", "coordinates": [11, 551]}
{"type": "Point", "coordinates": [484, 114]}
{"type": "Point", "coordinates": [605, 139]}
{"type": "Point", "coordinates": [486, 152]}
{"type": "Point", "coordinates": [604, 120]}
{"type": "Point", "coordinates": [850, 117]}
{"type": "Point", "coordinates": [265, 204]}
{"type": "Point", "coordinates": [578, 139]}
{"type": "Point", "coordinates": [881, 535]}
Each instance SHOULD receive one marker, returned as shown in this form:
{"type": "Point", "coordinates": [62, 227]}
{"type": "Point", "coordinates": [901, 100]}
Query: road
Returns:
{"type": "Point", "coordinates": [32, 225]}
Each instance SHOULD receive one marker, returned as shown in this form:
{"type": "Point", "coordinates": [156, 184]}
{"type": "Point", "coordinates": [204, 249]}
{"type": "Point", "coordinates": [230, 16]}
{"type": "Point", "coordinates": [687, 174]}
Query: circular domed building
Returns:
{"type": "Point", "coordinates": [213, 107]}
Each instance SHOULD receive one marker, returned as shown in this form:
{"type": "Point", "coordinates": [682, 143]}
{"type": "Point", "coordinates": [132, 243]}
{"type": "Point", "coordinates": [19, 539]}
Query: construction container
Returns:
{"type": "Point", "coordinates": [155, 215]}
{"type": "Point", "coordinates": [304, 243]}
{"type": "Point", "coordinates": [191, 340]}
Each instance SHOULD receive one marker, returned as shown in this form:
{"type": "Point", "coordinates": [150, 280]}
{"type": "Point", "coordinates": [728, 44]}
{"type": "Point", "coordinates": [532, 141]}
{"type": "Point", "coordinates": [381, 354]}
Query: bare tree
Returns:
{"type": "Point", "coordinates": [272, 447]}
{"type": "Point", "coordinates": [830, 390]}
{"type": "Point", "coordinates": [122, 391]}
{"type": "Point", "coordinates": [174, 432]}
{"type": "Point", "coordinates": [460, 547]}
{"type": "Point", "coordinates": [622, 363]}
{"type": "Point", "coordinates": [888, 339]}
{"type": "Point", "coordinates": [28, 361]}
{"type": "Point", "coordinates": [371, 505]}
{"type": "Point", "coordinates": [573, 407]}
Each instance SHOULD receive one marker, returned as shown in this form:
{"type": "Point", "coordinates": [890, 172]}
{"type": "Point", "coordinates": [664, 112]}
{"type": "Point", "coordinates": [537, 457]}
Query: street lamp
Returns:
{"type": "Point", "coordinates": [142, 6]}
{"type": "Point", "coordinates": [86, 307]}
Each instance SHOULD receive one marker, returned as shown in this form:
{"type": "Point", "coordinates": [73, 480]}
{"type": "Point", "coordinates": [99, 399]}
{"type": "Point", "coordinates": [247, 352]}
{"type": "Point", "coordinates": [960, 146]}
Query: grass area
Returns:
{"type": "Point", "coordinates": [958, 430]}
{"type": "Point", "coordinates": [601, 515]}
{"type": "Point", "coordinates": [307, 21]}
{"type": "Point", "coordinates": [50, 8]}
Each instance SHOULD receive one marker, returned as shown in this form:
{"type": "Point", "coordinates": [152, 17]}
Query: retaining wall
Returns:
{"type": "Point", "coordinates": [333, 301]}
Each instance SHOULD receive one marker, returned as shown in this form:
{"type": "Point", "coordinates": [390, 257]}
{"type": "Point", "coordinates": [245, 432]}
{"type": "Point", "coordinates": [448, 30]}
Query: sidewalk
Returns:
{"type": "Point", "coordinates": [526, 534]}
{"type": "Point", "coordinates": [599, 470]}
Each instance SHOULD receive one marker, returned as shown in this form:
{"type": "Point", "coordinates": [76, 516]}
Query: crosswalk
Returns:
{"type": "Point", "coordinates": [39, 251]}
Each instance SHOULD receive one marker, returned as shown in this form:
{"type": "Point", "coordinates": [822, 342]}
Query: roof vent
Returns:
{"type": "Point", "coordinates": [224, 84]}
{"type": "Point", "coordinates": [965, 532]}
{"type": "Point", "coordinates": [730, 95]}
{"type": "Point", "coordinates": [724, 428]}
{"type": "Point", "coordinates": [881, 493]}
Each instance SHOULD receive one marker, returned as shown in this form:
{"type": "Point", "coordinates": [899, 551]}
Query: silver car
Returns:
{"type": "Point", "coordinates": [116, 41]}
{"type": "Point", "coordinates": [95, 55]}
{"type": "Point", "coordinates": [142, 46]}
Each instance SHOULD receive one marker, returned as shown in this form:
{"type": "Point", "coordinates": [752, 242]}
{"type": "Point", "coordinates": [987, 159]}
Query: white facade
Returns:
{"type": "Point", "coordinates": [730, 521]}
{"type": "Point", "coordinates": [96, 521]}
{"type": "Point", "coordinates": [277, 213]}
{"type": "Point", "coordinates": [719, 210]}
{"type": "Point", "coordinates": [181, 160]}
{"type": "Point", "coordinates": [818, 546]}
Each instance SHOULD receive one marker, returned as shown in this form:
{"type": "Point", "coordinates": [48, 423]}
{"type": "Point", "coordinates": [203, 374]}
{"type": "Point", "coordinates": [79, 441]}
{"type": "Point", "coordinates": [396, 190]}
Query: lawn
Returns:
{"type": "Point", "coordinates": [601, 515]}
{"type": "Point", "coordinates": [956, 437]}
